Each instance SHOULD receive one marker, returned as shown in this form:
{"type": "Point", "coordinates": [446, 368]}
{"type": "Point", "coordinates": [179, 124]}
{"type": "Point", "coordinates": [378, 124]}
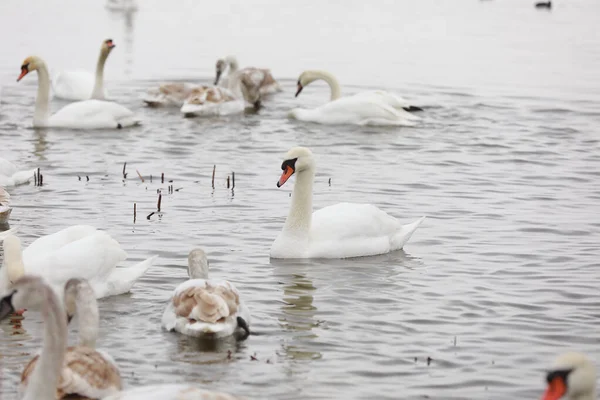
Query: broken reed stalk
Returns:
{"type": "Point", "coordinates": [162, 177]}
{"type": "Point", "coordinates": [124, 168]}
{"type": "Point", "coordinates": [213, 176]}
{"type": "Point", "coordinates": [159, 201]}
{"type": "Point", "coordinates": [134, 212]}
{"type": "Point", "coordinates": [227, 181]}
{"type": "Point", "coordinates": [140, 175]}
{"type": "Point", "coordinates": [38, 178]}
{"type": "Point", "coordinates": [233, 180]}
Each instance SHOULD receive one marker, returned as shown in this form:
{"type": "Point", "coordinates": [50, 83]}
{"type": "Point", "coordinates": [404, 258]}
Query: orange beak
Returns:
{"type": "Point", "coordinates": [289, 171]}
{"type": "Point", "coordinates": [24, 71]}
{"type": "Point", "coordinates": [556, 389]}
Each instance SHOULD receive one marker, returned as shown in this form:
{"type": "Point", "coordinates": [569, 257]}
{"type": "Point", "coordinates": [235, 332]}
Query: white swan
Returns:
{"type": "Point", "coordinates": [170, 391]}
{"type": "Point", "coordinates": [88, 114]}
{"type": "Point", "coordinates": [82, 85]}
{"type": "Point", "coordinates": [79, 251]}
{"type": "Point", "coordinates": [261, 78]}
{"type": "Point", "coordinates": [86, 372]}
{"type": "Point", "coordinates": [572, 377]}
{"type": "Point", "coordinates": [339, 231]}
{"type": "Point", "coordinates": [5, 210]}
{"type": "Point", "coordinates": [10, 175]}
{"type": "Point", "coordinates": [365, 108]}
{"type": "Point", "coordinates": [211, 101]}
{"type": "Point", "coordinates": [205, 308]}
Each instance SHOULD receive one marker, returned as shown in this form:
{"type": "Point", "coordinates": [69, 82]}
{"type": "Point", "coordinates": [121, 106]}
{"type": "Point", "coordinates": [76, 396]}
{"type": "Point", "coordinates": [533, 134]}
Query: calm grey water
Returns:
{"type": "Point", "coordinates": [501, 277]}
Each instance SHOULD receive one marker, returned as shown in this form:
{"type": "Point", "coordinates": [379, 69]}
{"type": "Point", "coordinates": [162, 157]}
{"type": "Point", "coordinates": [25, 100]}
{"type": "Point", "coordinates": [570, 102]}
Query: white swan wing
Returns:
{"type": "Point", "coordinates": [11, 176]}
{"type": "Point", "coordinates": [73, 85]}
{"type": "Point", "coordinates": [93, 114]}
{"type": "Point", "coordinates": [172, 391]}
{"type": "Point", "coordinates": [49, 243]}
{"type": "Point", "coordinates": [86, 372]}
{"type": "Point", "coordinates": [199, 307]}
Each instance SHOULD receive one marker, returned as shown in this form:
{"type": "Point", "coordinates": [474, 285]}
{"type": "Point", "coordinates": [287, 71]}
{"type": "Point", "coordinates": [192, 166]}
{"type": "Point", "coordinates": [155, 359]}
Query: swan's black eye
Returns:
{"type": "Point", "coordinates": [289, 163]}
{"type": "Point", "coordinates": [25, 67]}
{"type": "Point", "coordinates": [560, 373]}
{"type": "Point", "coordinates": [299, 84]}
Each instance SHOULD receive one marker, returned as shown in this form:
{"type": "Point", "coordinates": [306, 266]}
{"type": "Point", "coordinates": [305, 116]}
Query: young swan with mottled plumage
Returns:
{"type": "Point", "coordinates": [205, 308]}
{"type": "Point", "coordinates": [5, 210]}
{"type": "Point", "coordinates": [341, 230]}
{"type": "Point", "coordinates": [262, 79]}
{"type": "Point", "coordinates": [86, 372]}
{"type": "Point", "coordinates": [572, 377]}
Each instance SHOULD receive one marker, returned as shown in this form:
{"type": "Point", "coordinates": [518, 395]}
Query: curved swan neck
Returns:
{"type": "Point", "coordinates": [42, 101]}
{"type": "Point", "coordinates": [89, 318]}
{"type": "Point", "coordinates": [44, 379]}
{"type": "Point", "coordinates": [300, 215]}
{"type": "Point", "coordinates": [13, 259]}
{"type": "Point", "coordinates": [333, 83]}
{"type": "Point", "coordinates": [197, 265]}
{"type": "Point", "coordinates": [98, 92]}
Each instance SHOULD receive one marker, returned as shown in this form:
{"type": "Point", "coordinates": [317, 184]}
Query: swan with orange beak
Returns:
{"type": "Point", "coordinates": [572, 377]}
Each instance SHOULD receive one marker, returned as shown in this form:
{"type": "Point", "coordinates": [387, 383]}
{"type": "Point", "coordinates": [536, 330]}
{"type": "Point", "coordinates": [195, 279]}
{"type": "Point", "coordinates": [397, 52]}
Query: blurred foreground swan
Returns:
{"type": "Point", "coordinates": [87, 114]}
{"type": "Point", "coordinates": [338, 231]}
{"type": "Point", "coordinates": [572, 377]}
{"type": "Point", "coordinates": [365, 108]}
{"type": "Point", "coordinates": [86, 372]}
{"type": "Point", "coordinates": [79, 251]}
{"type": "Point", "coordinates": [5, 210]}
{"type": "Point", "coordinates": [170, 391]}
{"type": "Point", "coordinates": [82, 85]}
{"type": "Point", "coordinates": [11, 176]}
{"type": "Point", "coordinates": [205, 308]}
{"type": "Point", "coordinates": [261, 78]}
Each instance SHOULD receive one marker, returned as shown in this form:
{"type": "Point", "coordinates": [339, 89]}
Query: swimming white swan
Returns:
{"type": "Point", "coordinates": [5, 210]}
{"type": "Point", "coordinates": [10, 175]}
{"type": "Point", "coordinates": [572, 377]}
{"type": "Point", "coordinates": [205, 308]}
{"type": "Point", "coordinates": [338, 231]}
{"type": "Point", "coordinates": [210, 101]}
{"type": "Point", "coordinates": [82, 85]}
{"type": "Point", "coordinates": [86, 372]}
{"type": "Point", "coordinates": [261, 78]}
{"type": "Point", "coordinates": [88, 114]}
{"type": "Point", "coordinates": [365, 108]}
{"type": "Point", "coordinates": [170, 391]}
{"type": "Point", "coordinates": [79, 251]}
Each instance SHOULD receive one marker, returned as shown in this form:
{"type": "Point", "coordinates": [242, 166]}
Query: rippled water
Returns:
{"type": "Point", "coordinates": [501, 277]}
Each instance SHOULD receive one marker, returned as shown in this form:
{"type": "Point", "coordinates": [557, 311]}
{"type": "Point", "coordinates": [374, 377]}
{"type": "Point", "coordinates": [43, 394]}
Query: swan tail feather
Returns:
{"type": "Point", "coordinates": [121, 280]}
{"type": "Point", "coordinates": [404, 234]}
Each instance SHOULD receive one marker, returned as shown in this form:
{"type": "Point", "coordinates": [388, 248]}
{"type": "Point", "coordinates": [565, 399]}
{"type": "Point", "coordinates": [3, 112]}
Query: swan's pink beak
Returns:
{"type": "Point", "coordinates": [556, 389]}
{"type": "Point", "coordinates": [24, 71]}
{"type": "Point", "coordinates": [289, 171]}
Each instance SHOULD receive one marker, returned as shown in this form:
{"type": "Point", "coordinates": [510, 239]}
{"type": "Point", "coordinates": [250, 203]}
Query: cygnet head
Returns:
{"type": "Point", "coordinates": [30, 64]}
{"type": "Point", "coordinates": [78, 291]}
{"type": "Point", "coordinates": [107, 46]}
{"type": "Point", "coordinates": [297, 159]}
{"type": "Point", "coordinates": [222, 64]}
{"type": "Point", "coordinates": [197, 264]}
{"type": "Point", "coordinates": [28, 292]}
{"type": "Point", "coordinates": [308, 77]}
{"type": "Point", "coordinates": [573, 377]}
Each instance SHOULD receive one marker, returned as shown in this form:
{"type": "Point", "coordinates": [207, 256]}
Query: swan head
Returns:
{"type": "Point", "coordinates": [107, 46]}
{"type": "Point", "coordinates": [198, 264]}
{"type": "Point", "coordinates": [28, 292]}
{"type": "Point", "coordinates": [30, 64]}
{"type": "Point", "coordinates": [306, 78]}
{"type": "Point", "coordinates": [572, 376]}
{"type": "Point", "coordinates": [77, 291]}
{"type": "Point", "coordinates": [297, 159]}
{"type": "Point", "coordinates": [222, 64]}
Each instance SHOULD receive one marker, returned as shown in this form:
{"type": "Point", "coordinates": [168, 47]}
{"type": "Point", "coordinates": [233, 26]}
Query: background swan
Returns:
{"type": "Point", "coordinates": [79, 251]}
{"type": "Point", "coordinates": [169, 94]}
{"type": "Point", "coordinates": [261, 77]}
{"type": "Point", "coordinates": [571, 377]}
{"type": "Point", "coordinates": [5, 210]}
{"type": "Point", "coordinates": [10, 175]}
{"type": "Point", "coordinates": [368, 108]}
{"type": "Point", "coordinates": [88, 114]}
{"type": "Point", "coordinates": [208, 101]}
{"type": "Point", "coordinates": [205, 308]}
{"type": "Point", "coordinates": [338, 231]}
{"type": "Point", "coordinates": [82, 85]}
{"type": "Point", "coordinates": [86, 372]}
{"type": "Point", "coordinates": [173, 391]}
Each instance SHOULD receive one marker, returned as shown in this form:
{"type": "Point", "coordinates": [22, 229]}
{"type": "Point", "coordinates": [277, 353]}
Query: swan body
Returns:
{"type": "Point", "coordinates": [366, 108]}
{"type": "Point", "coordinates": [205, 308]}
{"type": "Point", "coordinates": [10, 175]}
{"type": "Point", "coordinates": [169, 94]}
{"type": "Point", "coordinates": [5, 210]}
{"type": "Point", "coordinates": [86, 372]}
{"type": "Point", "coordinates": [338, 231]}
{"type": "Point", "coordinates": [171, 391]}
{"type": "Point", "coordinates": [262, 78]}
{"type": "Point", "coordinates": [79, 251]}
{"type": "Point", "coordinates": [571, 377]}
{"type": "Point", "coordinates": [82, 85]}
{"type": "Point", "coordinates": [88, 114]}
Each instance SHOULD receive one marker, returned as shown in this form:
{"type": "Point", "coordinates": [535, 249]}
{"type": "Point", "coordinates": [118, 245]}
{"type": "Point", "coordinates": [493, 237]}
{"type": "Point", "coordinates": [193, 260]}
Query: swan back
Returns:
{"type": "Point", "coordinates": [197, 264]}
{"type": "Point", "coordinates": [573, 377]}
{"type": "Point", "coordinates": [80, 299]}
